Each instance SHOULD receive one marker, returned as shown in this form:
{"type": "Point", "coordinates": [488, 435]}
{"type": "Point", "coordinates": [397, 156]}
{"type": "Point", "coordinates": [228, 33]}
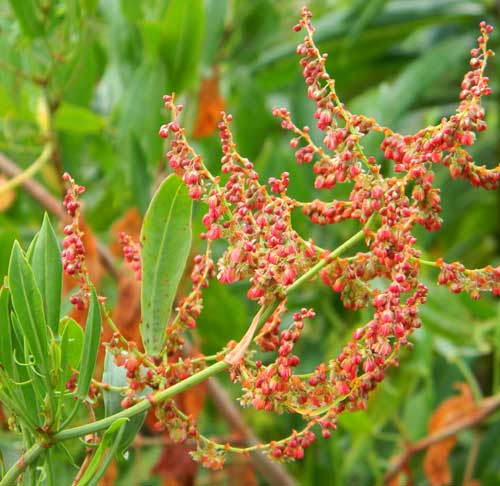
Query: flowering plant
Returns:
{"type": "Point", "coordinates": [377, 268]}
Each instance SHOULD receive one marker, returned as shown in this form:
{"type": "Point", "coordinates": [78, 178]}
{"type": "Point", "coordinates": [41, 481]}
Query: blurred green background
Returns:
{"type": "Point", "coordinates": [92, 73]}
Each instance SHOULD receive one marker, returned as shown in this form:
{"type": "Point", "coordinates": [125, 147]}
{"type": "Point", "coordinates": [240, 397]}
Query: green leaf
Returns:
{"type": "Point", "coordinates": [140, 175]}
{"type": "Point", "coordinates": [137, 126]}
{"type": "Point", "coordinates": [434, 65]}
{"type": "Point", "coordinates": [166, 240]}
{"type": "Point", "coordinates": [31, 249]}
{"type": "Point", "coordinates": [71, 347]}
{"type": "Point", "coordinates": [214, 30]}
{"type": "Point", "coordinates": [117, 376]}
{"type": "Point", "coordinates": [252, 121]}
{"type": "Point", "coordinates": [89, 63]}
{"type": "Point", "coordinates": [76, 119]}
{"type": "Point", "coordinates": [184, 21]}
{"type": "Point", "coordinates": [28, 306]}
{"type": "Point", "coordinates": [91, 341]}
{"type": "Point", "coordinates": [28, 15]}
{"type": "Point", "coordinates": [152, 34]}
{"type": "Point", "coordinates": [25, 392]}
{"type": "Point", "coordinates": [5, 332]}
{"type": "Point", "coordinates": [364, 13]}
{"type": "Point", "coordinates": [232, 322]}
{"type": "Point", "coordinates": [47, 267]}
{"type": "Point", "coordinates": [89, 6]}
{"type": "Point", "coordinates": [110, 439]}
{"type": "Point", "coordinates": [397, 19]}
{"type": "Point", "coordinates": [132, 11]}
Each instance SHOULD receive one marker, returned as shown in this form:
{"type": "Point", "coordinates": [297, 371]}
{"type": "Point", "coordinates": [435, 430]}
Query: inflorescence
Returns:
{"type": "Point", "coordinates": [261, 247]}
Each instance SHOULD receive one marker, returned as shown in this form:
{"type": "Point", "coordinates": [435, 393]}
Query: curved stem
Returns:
{"type": "Point", "coordinates": [30, 171]}
{"type": "Point", "coordinates": [427, 263]}
{"type": "Point", "coordinates": [155, 398]}
{"type": "Point", "coordinates": [335, 253]}
{"type": "Point", "coordinates": [143, 405]}
{"type": "Point", "coordinates": [28, 458]}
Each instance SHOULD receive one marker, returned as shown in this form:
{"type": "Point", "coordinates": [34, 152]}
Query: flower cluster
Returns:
{"type": "Point", "coordinates": [263, 247]}
{"type": "Point", "coordinates": [73, 253]}
{"type": "Point", "coordinates": [459, 279]}
{"type": "Point", "coordinates": [271, 387]}
{"type": "Point", "coordinates": [252, 220]}
{"type": "Point", "coordinates": [190, 307]}
{"type": "Point", "coordinates": [131, 253]}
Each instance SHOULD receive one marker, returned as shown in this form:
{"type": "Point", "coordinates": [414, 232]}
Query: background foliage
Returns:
{"type": "Point", "coordinates": [91, 75]}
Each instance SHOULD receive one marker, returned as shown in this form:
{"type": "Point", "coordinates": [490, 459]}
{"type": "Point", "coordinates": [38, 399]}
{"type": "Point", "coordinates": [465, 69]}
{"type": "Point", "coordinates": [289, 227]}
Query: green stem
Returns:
{"type": "Point", "coordinates": [30, 171]}
{"type": "Point", "coordinates": [335, 253]}
{"type": "Point", "coordinates": [143, 405]}
{"type": "Point", "coordinates": [427, 263]}
{"type": "Point", "coordinates": [160, 396]}
{"type": "Point", "coordinates": [51, 479]}
{"type": "Point", "coordinates": [496, 355]}
{"type": "Point", "coordinates": [469, 377]}
{"type": "Point", "coordinates": [28, 458]}
{"type": "Point", "coordinates": [71, 416]}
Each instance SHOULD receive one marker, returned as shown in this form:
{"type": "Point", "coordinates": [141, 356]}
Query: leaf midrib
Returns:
{"type": "Point", "coordinates": [160, 252]}
{"type": "Point", "coordinates": [33, 324]}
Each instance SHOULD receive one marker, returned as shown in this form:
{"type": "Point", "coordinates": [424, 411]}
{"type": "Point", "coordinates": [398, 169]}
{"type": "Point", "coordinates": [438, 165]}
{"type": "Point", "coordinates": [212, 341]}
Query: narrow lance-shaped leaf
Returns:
{"type": "Point", "coordinates": [25, 392]}
{"type": "Point", "coordinates": [5, 332]}
{"type": "Point", "coordinates": [28, 306]}
{"type": "Point", "coordinates": [36, 383]}
{"type": "Point", "coordinates": [47, 267]}
{"type": "Point", "coordinates": [183, 40]}
{"type": "Point", "coordinates": [166, 240]}
{"type": "Point", "coordinates": [31, 249]}
{"type": "Point", "coordinates": [117, 376]}
{"type": "Point", "coordinates": [27, 15]}
{"type": "Point", "coordinates": [71, 347]}
{"type": "Point", "coordinates": [110, 439]}
{"type": "Point", "coordinates": [91, 341]}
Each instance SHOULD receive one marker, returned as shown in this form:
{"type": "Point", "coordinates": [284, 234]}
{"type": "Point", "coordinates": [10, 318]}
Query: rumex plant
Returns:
{"type": "Point", "coordinates": [48, 378]}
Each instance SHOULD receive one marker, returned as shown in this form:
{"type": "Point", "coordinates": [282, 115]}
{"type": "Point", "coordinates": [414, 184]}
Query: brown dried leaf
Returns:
{"type": "Point", "coordinates": [403, 477]}
{"type": "Point", "coordinates": [241, 473]}
{"type": "Point", "coordinates": [436, 466]}
{"type": "Point", "coordinates": [176, 466]}
{"type": "Point", "coordinates": [110, 475]}
{"type": "Point", "coordinates": [210, 104]}
{"type": "Point", "coordinates": [129, 223]}
{"type": "Point", "coordinates": [127, 312]}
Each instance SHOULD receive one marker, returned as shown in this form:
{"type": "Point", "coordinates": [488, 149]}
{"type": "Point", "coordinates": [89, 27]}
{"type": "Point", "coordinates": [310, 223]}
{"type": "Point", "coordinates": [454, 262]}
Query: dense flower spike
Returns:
{"type": "Point", "coordinates": [260, 247]}
{"type": "Point", "coordinates": [131, 252]}
{"type": "Point", "coordinates": [73, 253]}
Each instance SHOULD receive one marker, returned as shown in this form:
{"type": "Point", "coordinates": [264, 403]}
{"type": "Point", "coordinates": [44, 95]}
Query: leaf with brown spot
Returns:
{"type": "Point", "coordinates": [436, 466]}
{"type": "Point", "coordinates": [210, 104]}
